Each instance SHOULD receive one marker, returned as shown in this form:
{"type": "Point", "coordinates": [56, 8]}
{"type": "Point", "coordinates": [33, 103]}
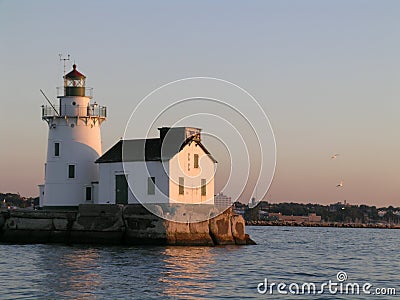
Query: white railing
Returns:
{"type": "Point", "coordinates": [92, 110]}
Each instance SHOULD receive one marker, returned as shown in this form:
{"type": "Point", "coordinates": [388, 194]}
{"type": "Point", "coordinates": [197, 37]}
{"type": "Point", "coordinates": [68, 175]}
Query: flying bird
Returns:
{"type": "Point", "coordinates": [334, 156]}
{"type": "Point", "coordinates": [340, 184]}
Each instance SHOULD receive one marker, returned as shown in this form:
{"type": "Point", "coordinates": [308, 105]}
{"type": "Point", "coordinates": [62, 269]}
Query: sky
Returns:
{"type": "Point", "coordinates": [326, 74]}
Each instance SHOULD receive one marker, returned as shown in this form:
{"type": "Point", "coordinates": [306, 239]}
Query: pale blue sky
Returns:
{"type": "Point", "coordinates": [326, 72]}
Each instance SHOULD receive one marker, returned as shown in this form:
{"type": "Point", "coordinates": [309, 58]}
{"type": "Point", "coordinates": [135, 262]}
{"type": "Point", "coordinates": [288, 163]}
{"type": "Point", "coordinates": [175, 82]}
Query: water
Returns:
{"type": "Point", "coordinates": [283, 254]}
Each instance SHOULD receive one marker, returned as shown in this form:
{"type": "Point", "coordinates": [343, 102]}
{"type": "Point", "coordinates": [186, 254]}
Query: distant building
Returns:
{"type": "Point", "coordinates": [239, 208]}
{"type": "Point", "coordinates": [311, 218]}
{"type": "Point", "coordinates": [314, 218]}
{"type": "Point", "coordinates": [222, 200]}
{"type": "Point", "coordinates": [252, 202]}
{"type": "Point", "coordinates": [336, 207]}
{"type": "Point", "coordinates": [382, 213]}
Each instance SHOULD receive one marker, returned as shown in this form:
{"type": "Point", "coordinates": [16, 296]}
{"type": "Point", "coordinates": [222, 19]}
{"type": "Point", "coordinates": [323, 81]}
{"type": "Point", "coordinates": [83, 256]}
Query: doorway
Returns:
{"type": "Point", "coordinates": [121, 189]}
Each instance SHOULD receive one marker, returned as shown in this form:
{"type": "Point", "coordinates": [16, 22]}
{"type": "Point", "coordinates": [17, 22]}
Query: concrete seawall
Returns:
{"type": "Point", "coordinates": [118, 224]}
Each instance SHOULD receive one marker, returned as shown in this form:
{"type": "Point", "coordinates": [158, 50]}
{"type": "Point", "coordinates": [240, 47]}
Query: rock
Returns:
{"type": "Point", "coordinates": [60, 224]}
{"type": "Point", "coordinates": [99, 217]}
{"type": "Point", "coordinates": [173, 229]}
{"type": "Point", "coordinates": [249, 241]}
{"type": "Point", "coordinates": [29, 224]}
{"type": "Point", "coordinates": [238, 225]}
{"type": "Point", "coordinates": [220, 230]}
{"type": "Point", "coordinates": [143, 228]}
{"type": "Point", "coordinates": [99, 224]}
{"type": "Point", "coordinates": [100, 210]}
{"type": "Point", "coordinates": [10, 224]}
{"type": "Point", "coordinates": [200, 232]}
{"type": "Point", "coordinates": [190, 234]}
{"type": "Point", "coordinates": [134, 209]}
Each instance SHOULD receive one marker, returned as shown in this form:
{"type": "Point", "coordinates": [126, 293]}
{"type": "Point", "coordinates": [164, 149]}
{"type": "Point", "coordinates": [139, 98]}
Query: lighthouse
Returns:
{"type": "Point", "coordinates": [74, 144]}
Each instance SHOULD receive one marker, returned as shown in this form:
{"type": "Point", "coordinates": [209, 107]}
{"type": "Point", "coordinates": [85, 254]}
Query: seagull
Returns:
{"type": "Point", "coordinates": [340, 184]}
{"type": "Point", "coordinates": [334, 156]}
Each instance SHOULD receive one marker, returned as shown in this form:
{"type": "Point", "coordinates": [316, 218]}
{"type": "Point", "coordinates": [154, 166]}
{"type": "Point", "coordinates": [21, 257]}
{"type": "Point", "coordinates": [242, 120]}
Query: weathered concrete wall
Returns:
{"type": "Point", "coordinates": [118, 224]}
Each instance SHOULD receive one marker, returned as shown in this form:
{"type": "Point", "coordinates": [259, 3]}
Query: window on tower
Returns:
{"type": "Point", "coordinates": [56, 149]}
{"type": "Point", "coordinates": [181, 185]}
{"type": "Point", "coordinates": [151, 181]}
{"type": "Point", "coordinates": [203, 187]}
{"type": "Point", "coordinates": [196, 161]}
{"type": "Point", "coordinates": [71, 171]}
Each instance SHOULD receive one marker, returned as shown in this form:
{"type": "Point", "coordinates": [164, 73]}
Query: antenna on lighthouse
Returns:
{"type": "Point", "coordinates": [64, 59]}
{"type": "Point", "coordinates": [52, 106]}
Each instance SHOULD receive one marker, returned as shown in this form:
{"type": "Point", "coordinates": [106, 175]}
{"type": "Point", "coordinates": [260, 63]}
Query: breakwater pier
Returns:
{"type": "Point", "coordinates": [130, 224]}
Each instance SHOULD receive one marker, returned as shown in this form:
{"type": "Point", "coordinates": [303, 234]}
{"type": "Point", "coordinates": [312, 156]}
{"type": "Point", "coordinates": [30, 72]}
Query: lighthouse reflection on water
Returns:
{"type": "Point", "coordinates": [128, 272]}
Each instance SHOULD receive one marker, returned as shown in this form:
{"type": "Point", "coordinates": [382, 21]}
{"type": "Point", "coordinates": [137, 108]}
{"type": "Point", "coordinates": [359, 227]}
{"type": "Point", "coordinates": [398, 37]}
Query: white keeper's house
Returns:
{"type": "Point", "coordinates": [172, 168]}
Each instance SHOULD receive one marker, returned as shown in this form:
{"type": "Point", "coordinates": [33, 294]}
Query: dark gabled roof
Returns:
{"type": "Point", "coordinates": [132, 150]}
{"type": "Point", "coordinates": [145, 150]}
{"type": "Point", "coordinates": [74, 74]}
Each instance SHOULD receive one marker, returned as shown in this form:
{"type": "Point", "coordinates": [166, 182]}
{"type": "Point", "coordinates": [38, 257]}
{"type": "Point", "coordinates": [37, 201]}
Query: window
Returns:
{"type": "Point", "coordinates": [196, 161]}
{"type": "Point", "coordinates": [203, 187]}
{"type": "Point", "coordinates": [151, 181]}
{"type": "Point", "coordinates": [71, 171]}
{"type": "Point", "coordinates": [181, 185]}
{"type": "Point", "coordinates": [56, 149]}
{"type": "Point", "coordinates": [88, 193]}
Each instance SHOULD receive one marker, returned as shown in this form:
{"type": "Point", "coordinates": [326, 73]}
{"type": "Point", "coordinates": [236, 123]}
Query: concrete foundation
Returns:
{"type": "Point", "coordinates": [118, 224]}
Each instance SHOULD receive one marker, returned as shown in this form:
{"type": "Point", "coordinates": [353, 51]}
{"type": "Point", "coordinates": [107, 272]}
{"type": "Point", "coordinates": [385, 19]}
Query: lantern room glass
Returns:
{"type": "Point", "coordinates": [75, 82]}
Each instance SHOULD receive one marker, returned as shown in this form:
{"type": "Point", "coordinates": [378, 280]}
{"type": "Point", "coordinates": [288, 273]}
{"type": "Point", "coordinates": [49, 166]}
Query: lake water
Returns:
{"type": "Point", "coordinates": [288, 255]}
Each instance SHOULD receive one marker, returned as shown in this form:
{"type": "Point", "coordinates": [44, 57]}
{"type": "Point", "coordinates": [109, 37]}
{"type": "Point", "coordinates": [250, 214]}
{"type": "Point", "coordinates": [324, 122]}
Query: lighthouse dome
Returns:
{"type": "Point", "coordinates": [74, 74]}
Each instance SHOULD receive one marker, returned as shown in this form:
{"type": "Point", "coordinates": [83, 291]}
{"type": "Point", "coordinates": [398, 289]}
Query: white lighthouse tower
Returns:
{"type": "Point", "coordinates": [74, 144]}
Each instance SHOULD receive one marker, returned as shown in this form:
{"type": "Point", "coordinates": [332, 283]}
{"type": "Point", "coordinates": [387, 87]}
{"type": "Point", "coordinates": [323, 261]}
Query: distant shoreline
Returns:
{"type": "Point", "coordinates": [322, 224]}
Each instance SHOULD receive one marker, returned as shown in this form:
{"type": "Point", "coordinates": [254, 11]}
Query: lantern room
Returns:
{"type": "Point", "coordinates": [74, 83]}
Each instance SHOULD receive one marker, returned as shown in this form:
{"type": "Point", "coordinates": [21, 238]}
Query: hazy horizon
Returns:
{"type": "Point", "coordinates": [325, 73]}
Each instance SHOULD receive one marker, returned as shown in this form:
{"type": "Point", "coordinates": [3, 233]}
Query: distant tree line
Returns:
{"type": "Point", "coordinates": [15, 200]}
{"type": "Point", "coordinates": [337, 212]}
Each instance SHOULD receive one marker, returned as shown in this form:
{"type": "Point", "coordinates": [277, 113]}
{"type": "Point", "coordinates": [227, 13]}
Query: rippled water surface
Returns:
{"type": "Point", "coordinates": [283, 254]}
